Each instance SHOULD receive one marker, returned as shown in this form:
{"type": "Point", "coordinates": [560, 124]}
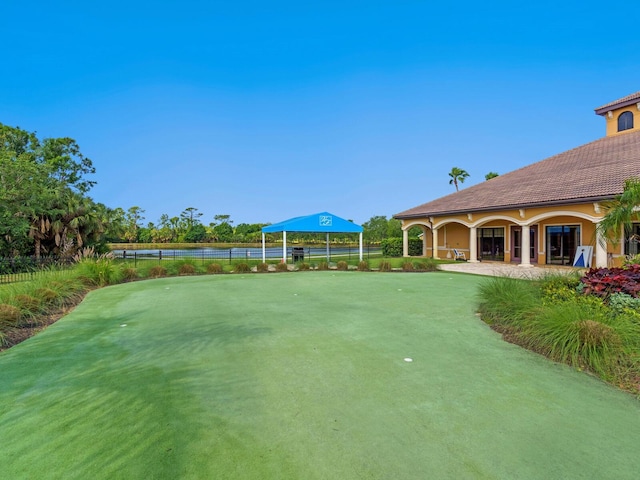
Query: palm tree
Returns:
{"type": "Point", "coordinates": [457, 176]}
{"type": "Point", "coordinates": [491, 175]}
{"type": "Point", "coordinates": [621, 212]}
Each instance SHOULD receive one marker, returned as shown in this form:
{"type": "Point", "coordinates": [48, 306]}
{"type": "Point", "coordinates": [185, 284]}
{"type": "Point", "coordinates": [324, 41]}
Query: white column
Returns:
{"type": "Point", "coordinates": [434, 236]}
{"type": "Point", "coordinates": [424, 242]}
{"type": "Point", "coordinates": [525, 248]}
{"type": "Point", "coordinates": [264, 252]}
{"type": "Point", "coordinates": [360, 245]}
{"type": "Point", "coordinates": [601, 250]}
{"type": "Point", "coordinates": [473, 245]}
{"type": "Point", "coordinates": [405, 243]}
{"type": "Point", "coordinates": [284, 247]}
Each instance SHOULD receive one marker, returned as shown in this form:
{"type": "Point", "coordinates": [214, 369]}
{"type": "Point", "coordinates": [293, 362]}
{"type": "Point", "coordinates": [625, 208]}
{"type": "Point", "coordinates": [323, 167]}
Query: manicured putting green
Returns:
{"type": "Point", "coordinates": [301, 376]}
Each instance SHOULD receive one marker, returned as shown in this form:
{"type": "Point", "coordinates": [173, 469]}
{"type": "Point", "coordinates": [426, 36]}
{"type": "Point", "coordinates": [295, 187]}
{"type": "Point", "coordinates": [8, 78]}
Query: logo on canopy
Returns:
{"type": "Point", "coordinates": [326, 220]}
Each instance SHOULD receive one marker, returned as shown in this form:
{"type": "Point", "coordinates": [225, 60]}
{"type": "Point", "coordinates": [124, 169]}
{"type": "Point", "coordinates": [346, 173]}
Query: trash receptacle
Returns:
{"type": "Point", "coordinates": [297, 254]}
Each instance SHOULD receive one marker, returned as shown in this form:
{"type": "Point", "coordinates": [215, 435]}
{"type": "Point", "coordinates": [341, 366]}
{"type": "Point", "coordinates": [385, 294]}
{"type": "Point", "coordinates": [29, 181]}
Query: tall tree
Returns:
{"type": "Point", "coordinates": [41, 184]}
{"type": "Point", "coordinates": [191, 216]}
{"type": "Point", "coordinates": [621, 212]}
{"type": "Point", "coordinates": [491, 175]}
{"type": "Point", "coordinates": [375, 229]}
{"type": "Point", "coordinates": [133, 219]}
{"type": "Point", "coordinates": [457, 175]}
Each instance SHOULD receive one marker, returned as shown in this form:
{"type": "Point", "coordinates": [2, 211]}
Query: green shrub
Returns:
{"type": "Point", "coordinates": [99, 271]}
{"type": "Point", "coordinates": [157, 271]}
{"type": "Point", "coordinates": [262, 267]}
{"type": "Point", "coordinates": [619, 302]}
{"type": "Point", "coordinates": [559, 288]}
{"type": "Point", "coordinates": [241, 267]}
{"type": "Point", "coordinates": [631, 260]}
{"type": "Point", "coordinates": [342, 265]}
{"type": "Point", "coordinates": [391, 247]}
{"type": "Point", "coordinates": [214, 268]}
{"type": "Point", "coordinates": [384, 266]}
{"type": "Point", "coordinates": [282, 267]}
{"type": "Point", "coordinates": [415, 247]}
{"type": "Point", "coordinates": [363, 266]}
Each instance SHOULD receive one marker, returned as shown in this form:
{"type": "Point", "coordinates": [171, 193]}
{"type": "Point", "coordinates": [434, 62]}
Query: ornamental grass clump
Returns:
{"type": "Point", "coordinates": [323, 265]}
{"type": "Point", "coordinates": [407, 266]}
{"type": "Point", "coordinates": [303, 266]}
{"type": "Point", "coordinates": [130, 274]}
{"type": "Point", "coordinates": [9, 315]}
{"type": "Point", "coordinates": [241, 267]}
{"type": "Point", "coordinates": [583, 335]}
{"type": "Point", "coordinates": [342, 265]}
{"type": "Point", "coordinates": [157, 271]}
{"type": "Point", "coordinates": [187, 268]}
{"type": "Point", "coordinates": [214, 268]}
{"type": "Point", "coordinates": [384, 266]}
{"type": "Point", "coordinates": [100, 271]}
{"type": "Point", "coordinates": [363, 266]}
{"type": "Point", "coordinates": [426, 265]}
{"type": "Point", "coordinates": [506, 301]}
{"type": "Point", "coordinates": [262, 267]}
{"type": "Point", "coordinates": [282, 267]}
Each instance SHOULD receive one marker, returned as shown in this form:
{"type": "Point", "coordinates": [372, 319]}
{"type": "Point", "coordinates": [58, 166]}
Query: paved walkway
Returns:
{"type": "Point", "coordinates": [500, 269]}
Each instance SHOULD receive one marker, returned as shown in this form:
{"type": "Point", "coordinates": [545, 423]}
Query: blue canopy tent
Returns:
{"type": "Point", "coordinates": [317, 223]}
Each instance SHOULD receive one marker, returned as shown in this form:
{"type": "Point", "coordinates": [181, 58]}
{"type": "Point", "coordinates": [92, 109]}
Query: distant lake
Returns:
{"type": "Point", "coordinates": [247, 253]}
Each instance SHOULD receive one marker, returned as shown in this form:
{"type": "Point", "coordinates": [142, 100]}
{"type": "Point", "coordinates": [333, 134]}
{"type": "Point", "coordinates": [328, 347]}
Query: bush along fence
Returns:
{"type": "Point", "coordinates": [18, 269]}
{"type": "Point", "coordinates": [233, 254]}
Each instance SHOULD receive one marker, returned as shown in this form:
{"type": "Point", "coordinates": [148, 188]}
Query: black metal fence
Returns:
{"type": "Point", "coordinates": [294, 254]}
{"type": "Point", "coordinates": [18, 269]}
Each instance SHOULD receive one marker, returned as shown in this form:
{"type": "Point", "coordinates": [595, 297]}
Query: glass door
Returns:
{"type": "Point", "coordinates": [516, 244]}
{"type": "Point", "coordinates": [562, 242]}
{"type": "Point", "coordinates": [491, 244]}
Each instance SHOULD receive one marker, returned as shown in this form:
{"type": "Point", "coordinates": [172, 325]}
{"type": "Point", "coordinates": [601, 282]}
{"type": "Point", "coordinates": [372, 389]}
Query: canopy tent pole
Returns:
{"type": "Point", "coordinates": [264, 253]}
{"type": "Point", "coordinates": [360, 235]}
{"type": "Point", "coordinates": [328, 255]}
{"type": "Point", "coordinates": [284, 246]}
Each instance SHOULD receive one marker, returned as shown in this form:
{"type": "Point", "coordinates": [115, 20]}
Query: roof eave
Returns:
{"type": "Point", "coordinates": [554, 203]}
{"type": "Point", "coordinates": [610, 108]}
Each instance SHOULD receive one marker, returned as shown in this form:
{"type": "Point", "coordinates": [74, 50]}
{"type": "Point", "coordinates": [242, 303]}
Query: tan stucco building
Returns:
{"type": "Point", "coordinates": [543, 213]}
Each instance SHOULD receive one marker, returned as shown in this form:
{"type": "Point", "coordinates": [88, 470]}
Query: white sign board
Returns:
{"type": "Point", "coordinates": [583, 256]}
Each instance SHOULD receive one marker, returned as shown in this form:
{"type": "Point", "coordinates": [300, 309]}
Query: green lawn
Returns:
{"type": "Point", "coordinates": [301, 376]}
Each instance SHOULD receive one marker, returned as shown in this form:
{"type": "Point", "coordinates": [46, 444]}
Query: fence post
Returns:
{"type": "Point", "coordinates": [159, 256]}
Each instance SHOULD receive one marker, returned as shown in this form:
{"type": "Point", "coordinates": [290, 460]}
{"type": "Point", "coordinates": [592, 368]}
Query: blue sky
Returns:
{"type": "Point", "coordinates": [268, 110]}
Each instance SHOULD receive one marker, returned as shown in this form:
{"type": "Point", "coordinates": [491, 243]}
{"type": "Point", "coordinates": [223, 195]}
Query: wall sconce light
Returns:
{"type": "Point", "coordinates": [610, 114]}
{"type": "Point", "coordinates": [638, 105]}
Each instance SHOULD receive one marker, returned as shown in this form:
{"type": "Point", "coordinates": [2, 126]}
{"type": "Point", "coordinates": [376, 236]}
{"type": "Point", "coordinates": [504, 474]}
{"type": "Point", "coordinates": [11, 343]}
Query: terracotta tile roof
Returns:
{"type": "Point", "coordinates": [592, 172]}
{"type": "Point", "coordinates": [622, 102]}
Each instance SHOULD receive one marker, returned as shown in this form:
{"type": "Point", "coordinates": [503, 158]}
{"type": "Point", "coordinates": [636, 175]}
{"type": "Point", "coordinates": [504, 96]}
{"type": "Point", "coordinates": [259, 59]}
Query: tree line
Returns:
{"type": "Point", "coordinates": [46, 210]}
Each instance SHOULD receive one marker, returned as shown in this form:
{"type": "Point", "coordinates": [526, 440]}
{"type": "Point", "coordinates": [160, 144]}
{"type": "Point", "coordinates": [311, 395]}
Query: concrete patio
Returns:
{"type": "Point", "coordinates": [500, 269]}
